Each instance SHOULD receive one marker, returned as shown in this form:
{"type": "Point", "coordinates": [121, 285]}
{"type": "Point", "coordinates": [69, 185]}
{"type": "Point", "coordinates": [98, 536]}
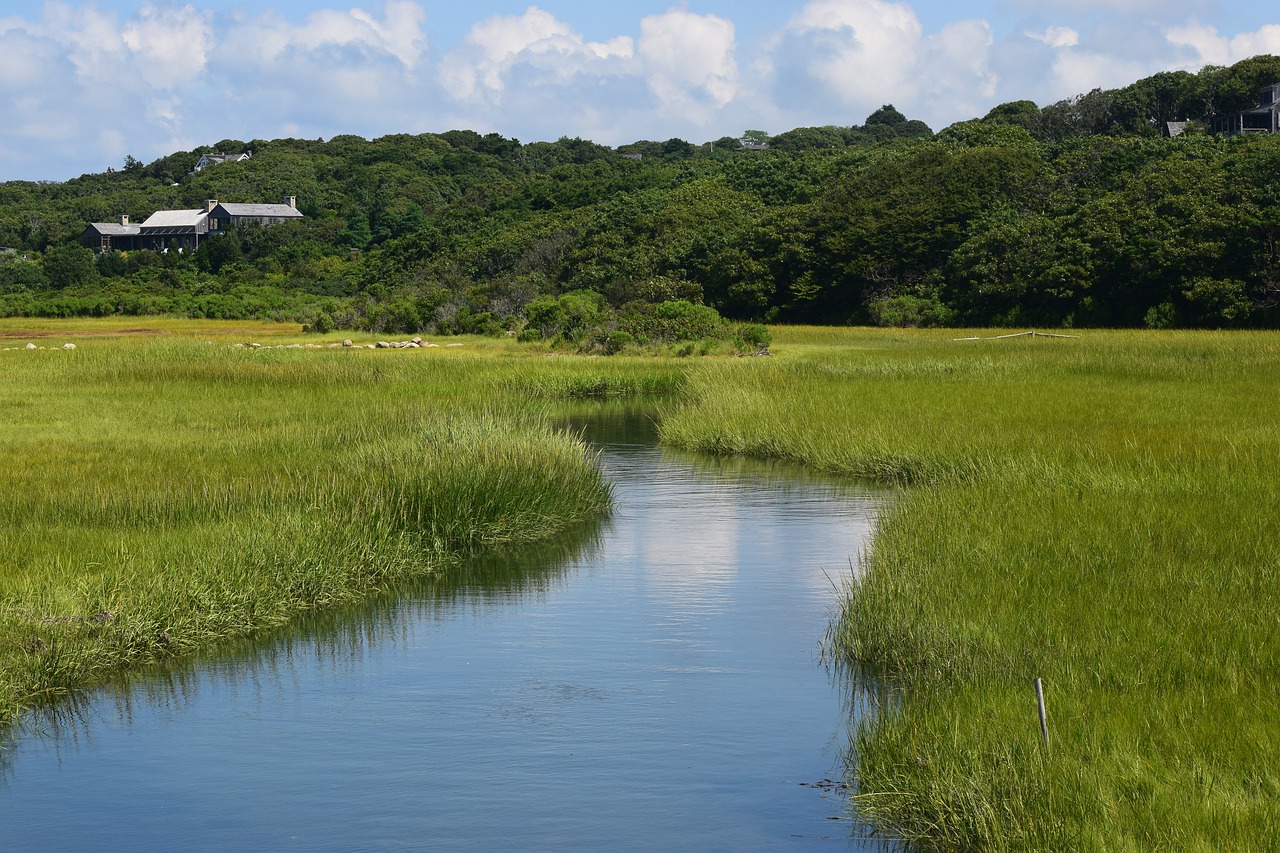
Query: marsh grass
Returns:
{"type": "Point", "coordinates": [163, 494]}
{"type": "Point", "coordinates": [1097, 512]}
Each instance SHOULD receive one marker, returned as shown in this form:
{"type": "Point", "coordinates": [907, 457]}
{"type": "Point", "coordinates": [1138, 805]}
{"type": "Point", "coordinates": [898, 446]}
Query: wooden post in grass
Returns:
{"type": "Point", "coordinates": [1044, 721]}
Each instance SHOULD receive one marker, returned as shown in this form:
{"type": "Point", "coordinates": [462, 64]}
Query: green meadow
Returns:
{"type": "Point", "coordinates": [1098, 512]}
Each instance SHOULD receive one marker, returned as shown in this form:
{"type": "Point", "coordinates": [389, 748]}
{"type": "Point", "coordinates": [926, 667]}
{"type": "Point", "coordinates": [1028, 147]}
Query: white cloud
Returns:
{"type": "Point", "coordinates": [537, 62]}
{"type": "Point", "coordinates": [268, 39]}
{"type": "Point", "coordinates": [171, 45]}
{"type": "Point", "coordinates": [688, 60]}
{"type": "Point", "coordinates": [536, 43]}
{"type": "Point", "coordinates": [1079, 71]}
{"type": "Point", "coordinates": [1213, 48]}
{"type": "Point", "coordinates": [25, 61]}
{"type": "Point", "coordinates": [862, 50]}
{"type": "Point", "coordinates": [92, 39]}
{"type": "Point", "coordinates": [865, 53]}
{"type": "Point", "coordinates": [1056, 37]}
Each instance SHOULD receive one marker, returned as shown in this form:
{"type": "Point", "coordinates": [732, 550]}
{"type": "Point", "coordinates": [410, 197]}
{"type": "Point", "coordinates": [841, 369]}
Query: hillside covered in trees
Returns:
{"type": "Point", "coordinates": [1080, 213]}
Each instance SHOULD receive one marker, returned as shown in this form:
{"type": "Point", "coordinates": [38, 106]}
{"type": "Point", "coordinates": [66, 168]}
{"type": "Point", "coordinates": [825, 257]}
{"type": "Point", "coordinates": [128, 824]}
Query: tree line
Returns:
{"type": "Point", "coordinates": [1080, 213]}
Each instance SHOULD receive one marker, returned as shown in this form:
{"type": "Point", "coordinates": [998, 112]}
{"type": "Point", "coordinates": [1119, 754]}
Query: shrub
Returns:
{"type": "Point", "coordinates": [756, 336]}
{"type": "Point", "coordinates": [909, 311]}
{"type": "Point", "coordinates": [673, 321]}
{"type": "Point", "coordinates": [617, 341]}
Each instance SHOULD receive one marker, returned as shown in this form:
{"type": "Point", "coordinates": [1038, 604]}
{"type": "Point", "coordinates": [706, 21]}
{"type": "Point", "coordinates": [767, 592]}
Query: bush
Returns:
{"type": "Point", "coordinates": [322, 325]}
{"type": "Point", "coordinates": [756, 336]}
{"type": "Point", "coordinates": [617, 341]}
{"type": "Point", "coordinates": [913, 311]}
{"type": "Point", "coordinates": [673, 321]}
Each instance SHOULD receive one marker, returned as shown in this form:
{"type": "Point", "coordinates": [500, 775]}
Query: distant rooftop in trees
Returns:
{"type": "Point", "coordinates": [213, 159]}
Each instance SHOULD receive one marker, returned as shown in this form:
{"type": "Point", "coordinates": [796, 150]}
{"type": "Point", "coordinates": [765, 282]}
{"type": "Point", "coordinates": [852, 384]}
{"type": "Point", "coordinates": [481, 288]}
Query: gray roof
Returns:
{"type": "Point", "coordinates": [175, 219]}
{"type": "Point", "coordinates": [277, 211]}
{"type": "Point", "coordinates": [115, 229]}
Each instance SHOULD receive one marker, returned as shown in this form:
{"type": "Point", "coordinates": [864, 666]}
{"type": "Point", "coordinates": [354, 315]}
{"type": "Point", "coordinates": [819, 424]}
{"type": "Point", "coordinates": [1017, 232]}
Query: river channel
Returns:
{"type": "Point", "coordinates": [650, 682]}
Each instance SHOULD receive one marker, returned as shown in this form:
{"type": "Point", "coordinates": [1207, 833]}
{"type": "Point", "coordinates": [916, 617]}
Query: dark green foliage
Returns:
{"type": "Point", "coordinates": [1080, 213]}
{"type": "Point", "coordinates": [69, 266]}
{"type": "Point", "coordinates": [20, 276]}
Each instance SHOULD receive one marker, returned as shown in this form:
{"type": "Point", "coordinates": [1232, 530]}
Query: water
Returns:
{"type": "Point", "coordinates": [648, 683]}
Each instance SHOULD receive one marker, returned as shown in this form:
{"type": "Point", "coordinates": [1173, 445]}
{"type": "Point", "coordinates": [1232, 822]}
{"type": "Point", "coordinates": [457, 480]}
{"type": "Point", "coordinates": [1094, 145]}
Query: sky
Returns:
{"type": "Point", "coordinates": [83, 85]}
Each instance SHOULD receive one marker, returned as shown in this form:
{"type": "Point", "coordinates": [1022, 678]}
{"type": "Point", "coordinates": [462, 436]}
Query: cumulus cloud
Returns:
{"type": "Point", "coordinates": [268, 39]}
{"type": "Point", "coordinates": [1213, 48]}
{"type": "Point", "coordinates": [862, 50]}
{"type": "Point", "coordinates": [91, 39]}
{"type": "Point", "coordinates": [864, 53]}
{"type": "Point", "coordinates": [171, 46]}
{"type": "Point", "coordinates": [535, 43]}
{"type": "Point", "coordinates": [679, 72]}
{"type": "Point", "coordinates": [689, 59]}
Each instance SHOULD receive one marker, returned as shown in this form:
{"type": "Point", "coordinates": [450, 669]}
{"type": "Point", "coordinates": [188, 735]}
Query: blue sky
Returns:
{"type": "Point", "coordinates": [82, 85]}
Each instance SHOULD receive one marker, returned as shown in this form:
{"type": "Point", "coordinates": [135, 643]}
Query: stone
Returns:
{"type": "Point", "coordinates": [347, 343]}
{"type": "Point", "coordinates": [31, 346]}
{"type": "Point", "coordinates": [382, 345]}
{"type": "Point", "coordinates": [68, 346]}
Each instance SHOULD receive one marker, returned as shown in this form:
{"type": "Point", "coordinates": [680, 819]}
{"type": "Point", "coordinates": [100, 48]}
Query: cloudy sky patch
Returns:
{"type": "Point", "coordinates": [82, 84]}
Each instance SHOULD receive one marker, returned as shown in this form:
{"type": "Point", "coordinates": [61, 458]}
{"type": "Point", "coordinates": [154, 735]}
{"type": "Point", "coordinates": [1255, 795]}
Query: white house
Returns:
{"type": "Point", "coordinates": [213, 159]}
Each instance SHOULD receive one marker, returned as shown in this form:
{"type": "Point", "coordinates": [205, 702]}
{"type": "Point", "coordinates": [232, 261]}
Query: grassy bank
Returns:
{"type": "Point", "coordinates": [1098, 512]}
{"type": "Point", "coordinates": [165, 491]}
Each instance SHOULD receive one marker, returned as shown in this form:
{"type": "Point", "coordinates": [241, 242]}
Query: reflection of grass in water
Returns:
{"type": "Point", "coordinates": [334, 637]}
{"type": "Point", "coordinates": [1097, 512]}
{"type": "Point", "coordinates": [161, 497]}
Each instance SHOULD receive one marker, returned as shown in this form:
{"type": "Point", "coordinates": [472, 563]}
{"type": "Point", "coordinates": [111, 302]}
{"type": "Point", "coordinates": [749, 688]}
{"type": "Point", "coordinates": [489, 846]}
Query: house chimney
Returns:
{"type": "Point", "coordinates": [124, 219]}
{"type": "Point", "coordinates": [210, 205]}
{"type": "Point", "coordinates": [291, 200]}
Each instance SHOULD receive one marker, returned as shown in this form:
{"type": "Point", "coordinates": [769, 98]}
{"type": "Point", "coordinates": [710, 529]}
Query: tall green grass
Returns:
{"type": "Point", "coordinates": [1097, 512]}
{"type": "Point", "coordinates": [162, 495]}
{"type": "Point", "coordinates": [1100, 513]}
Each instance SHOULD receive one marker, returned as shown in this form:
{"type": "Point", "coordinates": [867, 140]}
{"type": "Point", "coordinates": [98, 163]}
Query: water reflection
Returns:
{"type": "Point", "coordinates": [336, 640]}
{"type": "Point", "coordinates": [650, 680]}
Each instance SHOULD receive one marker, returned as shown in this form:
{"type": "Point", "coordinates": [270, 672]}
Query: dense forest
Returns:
{"type": "Point", "coordinates": [1080, 213]}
